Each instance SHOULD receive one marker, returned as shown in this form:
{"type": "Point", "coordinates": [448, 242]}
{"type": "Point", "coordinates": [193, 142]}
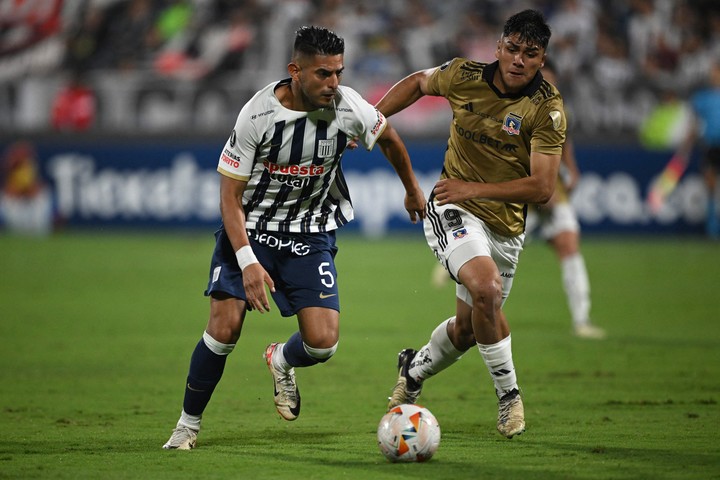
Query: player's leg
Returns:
{"type": "Point", "coordinates": [481, 278]}
{"type": "Point", "coordinates": [457, 237]}
{"type": "Point", "coordinates": [488, 281]}
{"type": "Point", "coordinates": [309, 291]}
{"type": "Point", "coordinates": [562, 231]}
{"type": "Point", "coordinates": [207, 364]}
{"type": "Point", "coordinates": [314, 343]}
{"type": "Point", "coordinates": [414, 367]}
{"type": "Point", "coordinates": [442, 350]}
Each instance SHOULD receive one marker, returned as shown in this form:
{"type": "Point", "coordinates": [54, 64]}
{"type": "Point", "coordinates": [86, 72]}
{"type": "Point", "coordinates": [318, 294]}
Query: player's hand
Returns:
{"type": "Point", "coordinates": [570, 178]}
{"type": "Point", "coordinates": [352, 144]}
{"type": "Point", "coordinates": [453, 190]}
{"type": "Point", "coordinates": [415, 205]}
{"type": "Point", "coordinates": [255, 277]}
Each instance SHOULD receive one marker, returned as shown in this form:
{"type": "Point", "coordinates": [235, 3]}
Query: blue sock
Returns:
{"type": "Point", "coordinates": [206, 369]}
{"type": "Point", "coordinates": [295, 353]}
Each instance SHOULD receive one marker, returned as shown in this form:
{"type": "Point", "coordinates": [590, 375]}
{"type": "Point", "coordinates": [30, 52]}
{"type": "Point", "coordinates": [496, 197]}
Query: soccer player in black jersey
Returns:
{"type": "Point", "coordinates": [282, 195]}
{"type": "Point", "coordinates": [506, 138]}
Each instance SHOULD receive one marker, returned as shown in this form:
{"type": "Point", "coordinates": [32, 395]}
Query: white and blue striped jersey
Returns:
{"type": "Point", "coordinates": [291, 160]}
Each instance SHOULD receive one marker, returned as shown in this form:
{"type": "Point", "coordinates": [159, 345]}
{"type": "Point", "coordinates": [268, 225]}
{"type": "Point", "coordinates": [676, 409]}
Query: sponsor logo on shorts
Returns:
{"type": "Point", "coordinates": [324, 295]}
{"type": "Point", "coordinates": [295, 247]}
{"type": "Point", "coordinates": [460, 233]}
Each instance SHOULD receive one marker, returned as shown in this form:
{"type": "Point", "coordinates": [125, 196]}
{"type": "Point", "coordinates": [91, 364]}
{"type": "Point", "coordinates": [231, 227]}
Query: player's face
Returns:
{"type": "Point", "coordinates": [318, 78]}
{"type": "Point", "coordinates": [518, 63]}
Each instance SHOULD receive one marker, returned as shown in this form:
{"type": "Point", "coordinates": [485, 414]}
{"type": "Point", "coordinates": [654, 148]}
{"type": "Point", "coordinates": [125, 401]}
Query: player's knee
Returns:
{"type": "Point", "coordinates": [320, 354]}
{"type": "Point", "coordinates": [486, 295]}
{"type": "Point", "coordinates": [216, 347]}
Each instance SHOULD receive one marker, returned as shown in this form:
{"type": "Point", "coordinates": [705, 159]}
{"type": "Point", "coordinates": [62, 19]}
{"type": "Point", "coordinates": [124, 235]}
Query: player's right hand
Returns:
{"type": "Point", "coordinates": [255, 277]}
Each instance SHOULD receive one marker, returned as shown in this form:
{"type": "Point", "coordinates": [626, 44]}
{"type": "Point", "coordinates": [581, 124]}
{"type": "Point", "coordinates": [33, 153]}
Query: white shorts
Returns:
{"type": "Point", "coordinates": [553, 221]}
{"type": "Point", "coordinates": [456, 236]}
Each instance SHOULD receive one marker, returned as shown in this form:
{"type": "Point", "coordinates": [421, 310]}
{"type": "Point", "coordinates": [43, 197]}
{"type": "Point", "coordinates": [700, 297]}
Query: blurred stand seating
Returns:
{"type": "Point", "coordinates": [168, 66]}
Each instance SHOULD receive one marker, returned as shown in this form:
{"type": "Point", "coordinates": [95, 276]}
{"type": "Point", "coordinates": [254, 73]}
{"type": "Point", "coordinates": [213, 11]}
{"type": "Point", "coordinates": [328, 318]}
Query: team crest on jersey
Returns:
{"type": "Point", "coordinates": [459, 233]}
{"type": "Point", "coordinates": [326, 148]}
{"type": "Point", "coordinates": [511, 124]}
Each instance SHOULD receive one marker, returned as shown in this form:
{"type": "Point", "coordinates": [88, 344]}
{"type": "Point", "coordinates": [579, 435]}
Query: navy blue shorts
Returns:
{"type": "Point", "coordinates": [301, 265]}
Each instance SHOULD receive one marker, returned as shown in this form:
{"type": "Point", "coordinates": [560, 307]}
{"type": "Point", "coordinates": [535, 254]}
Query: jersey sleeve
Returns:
{"type": "Point", "coordinates": [550, 131]}
{"type": "Point", "coordinates": [236, 159]}
{"type": "Point", "coordinates": [440, 81]}
{"type": "Point", "coordinates": [366, 122]}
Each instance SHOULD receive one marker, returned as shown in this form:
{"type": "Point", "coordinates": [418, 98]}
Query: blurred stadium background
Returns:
{"type": "Point", "coordinates": [125, 104]}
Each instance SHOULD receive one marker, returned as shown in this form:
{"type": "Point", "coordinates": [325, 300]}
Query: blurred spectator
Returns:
{"type": "Point", "coordinates": [612, 69]}
{"type": "Point", "coordinates": [74, 106]}
{"type": "Point", "coordinates": [25, 201]}
{"type": "Point", "coordinates": [574, 34]}
{"type": "Point", "coordinates": [217, 40]}
{"type": "Point", "coordinates": [475, 38]}
{"type": "Point", "coordinates": [645, 28]}
{"type": "Point", "coordinates": [128, 34]}
{"type": "Point", "coordinates": [615, 58]}
{"type": "Point", "coordinates": [85, 38]}
{"type": "Point", "coordinates": [423, 38]}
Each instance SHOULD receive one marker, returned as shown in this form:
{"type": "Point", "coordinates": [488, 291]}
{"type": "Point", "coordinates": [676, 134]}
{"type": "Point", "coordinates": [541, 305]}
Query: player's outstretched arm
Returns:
{"type": "Point", "coordinates": [404, 93]}
{"type": "Point", "coordinates": [255, 277]}
{"type": "Point", "coordinates": [394, 150]}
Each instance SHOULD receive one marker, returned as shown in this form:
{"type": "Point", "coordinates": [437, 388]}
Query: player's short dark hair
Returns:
{"type": "Point", "coordinates": [311, 40]}
{"type": "Point", "coordinates": [531, 26]}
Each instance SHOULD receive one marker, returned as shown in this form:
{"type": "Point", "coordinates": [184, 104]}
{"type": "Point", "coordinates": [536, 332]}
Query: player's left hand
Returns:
{"type": "Point", "coordinates": [415, 205]}
{"type": "Point", "coordinates": [453, 190]}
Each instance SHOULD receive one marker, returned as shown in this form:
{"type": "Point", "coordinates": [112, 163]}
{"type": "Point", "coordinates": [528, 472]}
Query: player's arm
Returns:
{"type": "Point", "coordinates": [570, 165]}
{"type": "Point", "coordinates": [233, 216]}
{"type": "Point", "coordinates": [536, 188]}
{"type": "Point", "coordinates": [394, 150]}
{"type": "Point", "coordinates": [404, 93]}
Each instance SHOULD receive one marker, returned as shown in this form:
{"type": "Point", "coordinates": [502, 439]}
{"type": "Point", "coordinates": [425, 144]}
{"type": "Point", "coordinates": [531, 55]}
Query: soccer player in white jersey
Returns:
{"type": "Point", "coordinates": [282, 195]}
{"type": "Point", "coordinates": [558, 225]}
{"type": "Point", "coordinates": [506, 137]}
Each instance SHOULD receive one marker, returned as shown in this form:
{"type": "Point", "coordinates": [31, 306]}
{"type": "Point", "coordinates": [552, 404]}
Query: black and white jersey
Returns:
{"type": "Point", "coordinates": [291, 160]}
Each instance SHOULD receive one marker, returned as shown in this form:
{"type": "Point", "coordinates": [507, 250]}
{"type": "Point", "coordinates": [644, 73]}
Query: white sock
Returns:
{"type": "Point", "coordinates": [190, 421]}
{"type": "Point", "coordinates": [498, 359]}
{"type": "Point", "coordinates": [437, 355]}
{"type": "Point", "coordinates": [278, 359]}
{"type": "Point", "coordinates": [577, 288]}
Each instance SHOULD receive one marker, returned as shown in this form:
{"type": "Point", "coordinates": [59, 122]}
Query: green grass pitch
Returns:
{"type": "Point", "coordinates": [97, 331]}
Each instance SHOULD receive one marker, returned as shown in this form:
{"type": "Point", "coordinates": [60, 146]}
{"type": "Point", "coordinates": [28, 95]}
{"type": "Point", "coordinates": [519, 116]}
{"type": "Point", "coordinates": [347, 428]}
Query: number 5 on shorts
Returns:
{"type": "Point", "coordinates": [326, 275]}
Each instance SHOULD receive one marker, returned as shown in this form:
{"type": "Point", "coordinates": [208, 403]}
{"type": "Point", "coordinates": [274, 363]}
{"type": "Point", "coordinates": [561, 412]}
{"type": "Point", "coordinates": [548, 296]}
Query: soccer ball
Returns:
{"type": "Point", "coordinates": [408, 433]}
